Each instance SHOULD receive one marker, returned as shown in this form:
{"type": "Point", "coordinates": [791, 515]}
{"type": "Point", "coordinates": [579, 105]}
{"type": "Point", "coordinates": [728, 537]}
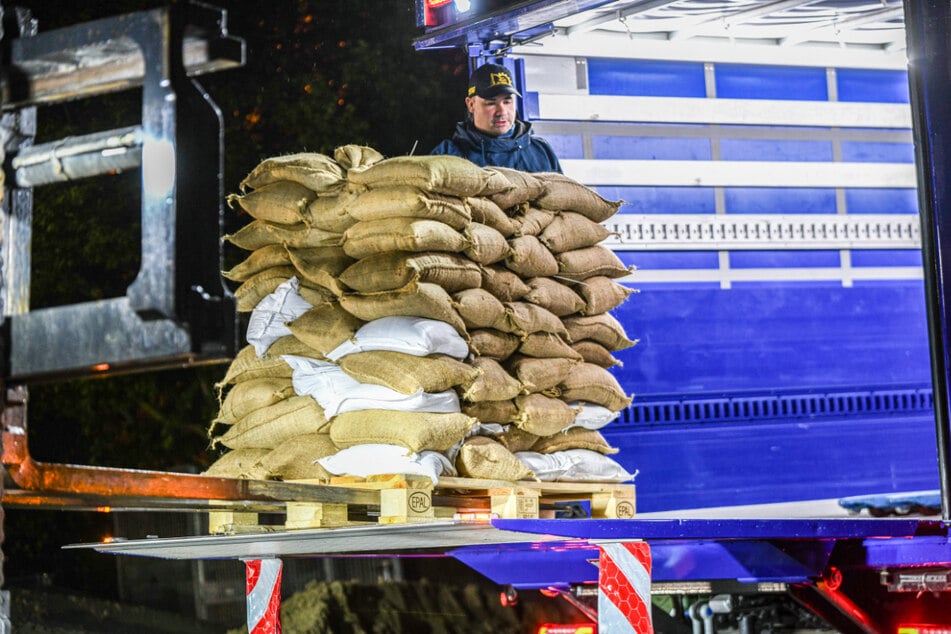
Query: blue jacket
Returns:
{"type": "Point", "coordinates": [522, 151]}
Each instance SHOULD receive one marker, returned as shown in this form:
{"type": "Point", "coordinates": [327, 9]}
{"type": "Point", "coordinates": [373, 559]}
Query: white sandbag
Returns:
{"type": "Point", "coordinates": [574, 465]}
{"type": "Point", "coordinates": [366, 460]}
{"type": "Point", "coordinates": [417, 336]}
{"type": "Point", "coordinates": [268, 320]}
{"type": "Point", "coordinates": [591, 415]}
{"type": "Point", "coordinates": [336, 392]}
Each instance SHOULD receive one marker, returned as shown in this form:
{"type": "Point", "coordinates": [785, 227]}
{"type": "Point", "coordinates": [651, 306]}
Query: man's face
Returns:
{"type": "Point", "coordinates": [493, 116]}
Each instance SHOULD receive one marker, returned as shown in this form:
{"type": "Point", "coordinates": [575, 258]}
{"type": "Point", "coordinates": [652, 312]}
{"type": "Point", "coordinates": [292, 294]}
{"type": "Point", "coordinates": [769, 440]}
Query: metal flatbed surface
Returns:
{"type": "Point", "coordinates": [442, 536]}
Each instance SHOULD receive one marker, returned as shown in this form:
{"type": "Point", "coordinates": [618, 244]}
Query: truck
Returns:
{"type": "Point", "coordinates": [781, 165]}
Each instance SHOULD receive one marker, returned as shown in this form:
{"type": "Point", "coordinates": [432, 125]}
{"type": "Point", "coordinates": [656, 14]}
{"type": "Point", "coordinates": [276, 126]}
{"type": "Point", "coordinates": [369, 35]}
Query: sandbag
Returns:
{"type": "Point", "coordinates": [417, 431]}
{"type": "Point", "coordinates": [501, 412]}
{"type": "Point", "coordinates": [260, 233]}
{"type": "Point", "coordinates": [603, 328]}
{"type": "Point", "coordinates": [569, 231]}
{"type": "Point", "coordinates": [329, 211]}
{"type": "Point", "coordinates": [574, 438]}
{"type": "Point", "coordinates": [492, 343]}
{"type": "Point", "coordinates": [580, 264]}
{"type": "Point", "coordinates": [261, 259]}
{"type": "Point", "coordinates": [296, 458]}
{"type": "Point", "coordinates": [542, 415]}
{"type": "Point", "coordinates": [484, 211]}
{"type": "Point", "coordinates": [270, 426]}
{"type": "Point", "coordinates": [317, 172]}
{"type": "Point", "coordinates": [563, 193]}
{"type": "Point", "coordinates": [546, 345]}
{"type": "Point", "coordinates": [248, 396]}
{"type": "Point", "coordinates": [485, 244]}
{"type": "Point", "coordinates": [530, 258]}
{"type": "Point", "coordinates": [531, 221]}
{"type": "Point", "coordinates": [478, 308]}
{"type": "Point", "coordinates": [574, 465]}
{"type": "Point", "coordinates": [491, 383]}
{"type": "Point", "coordinates": [401, 234]}
{"type": "Point", "coordinates": [407, 373]}
{"type": "Point", "coordinates": [443, 174]}
{"type": "Point", "coordinates": [594, 352]}
{"type": "Point", "coordinates": [352, 155]}
{"type": "Point", "coordinates": [267, 322]}
{"type": "Point", "coordinates": [522, 318]}
{"type": "Point", "coordinates": [592, 383]}
{"type": "Point", "coordinates": [247, 366]}
{"type": "Point", "coordinates": [283, 202]}
{"type": "Point", "coordinates": [404, 201]}
{"type": "Point", "coordinates": [482, 457]}
{"type": "Point", "coordinates": [292, 345]}
{"type": "Point", "coordinates": [410, 335]}
{"type": "Point", "coordinates": [524, 186]}
{"type": "Point", "coordinates": [515, 439]}
{"type": "Point", "coordinates": [321, 266]}
{"type": "Point", "coordinates": [260, 285]}
{"type": "Point", "coordinates": [602, 294]}
{"type": "Point", "coordinates": [554, 296]}
{"type": "Point", "coordinates": [506, 285]}
{"type": "Point", "coordinates": [394, 269]}
{"type": "Point", "coordinates": [239, 463]}
{"type": "Point", "coordinates": [416, 299]}
{"type": "Point", "coordinates": [325, 326]}
{"type": "Point", "coordinates": [539, 375]}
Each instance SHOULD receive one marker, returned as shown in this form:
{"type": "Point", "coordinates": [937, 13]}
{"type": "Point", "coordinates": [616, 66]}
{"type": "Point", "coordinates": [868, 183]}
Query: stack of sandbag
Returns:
{"type": "Point", "coordinates": [432, 311]}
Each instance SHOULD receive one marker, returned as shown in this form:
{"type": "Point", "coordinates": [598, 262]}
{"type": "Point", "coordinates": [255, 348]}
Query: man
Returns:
{"type": "Point", "coordinates": [492, 135]}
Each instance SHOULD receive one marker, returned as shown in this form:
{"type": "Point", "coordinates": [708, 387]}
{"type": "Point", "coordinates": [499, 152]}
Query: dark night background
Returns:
{"type": "Point", "coordinates": [318, 75]}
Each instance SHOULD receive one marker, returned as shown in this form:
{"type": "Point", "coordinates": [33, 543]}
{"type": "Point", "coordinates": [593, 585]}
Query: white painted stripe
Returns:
{"type": "Point", "coordinates": [865, 274]}
{"type": "Point", "coordinates": [610, 618]}
{"type": "Point", "coordinates": [740, 173]}
{"type": "Point", "coordinates": [565, 107]}
{"type": "Point", "coordinates": [621, 45]}
{"type": "Point", "coordinates": [259, 597]}
{"type": "Point", "coordinates": [633, 570]}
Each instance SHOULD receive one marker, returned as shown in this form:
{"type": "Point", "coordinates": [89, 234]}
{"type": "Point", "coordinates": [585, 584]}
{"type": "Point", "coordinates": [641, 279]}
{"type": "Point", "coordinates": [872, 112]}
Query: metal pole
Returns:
{"type": "Point", "coordinates": [927, 28]}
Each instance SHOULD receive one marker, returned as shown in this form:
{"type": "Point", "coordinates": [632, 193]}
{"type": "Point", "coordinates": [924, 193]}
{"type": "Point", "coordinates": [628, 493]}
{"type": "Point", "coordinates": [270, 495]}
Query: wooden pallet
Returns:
{"type": "Point", "coordinates": [403, 499]}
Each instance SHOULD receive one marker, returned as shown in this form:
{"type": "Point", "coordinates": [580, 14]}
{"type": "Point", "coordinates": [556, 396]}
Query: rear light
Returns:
{"type": "Point", "coordinates": [583, 628]}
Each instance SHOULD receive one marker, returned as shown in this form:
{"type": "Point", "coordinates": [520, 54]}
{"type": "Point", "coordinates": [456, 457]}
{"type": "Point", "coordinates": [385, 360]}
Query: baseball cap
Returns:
{"type": "Point", "coordinates": [491, 80]}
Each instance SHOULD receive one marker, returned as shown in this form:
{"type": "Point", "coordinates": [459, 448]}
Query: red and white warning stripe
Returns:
{"type": "Point", "coordinates": [624, 588]}
{"type": "Point", "coordinates": [263, 589]}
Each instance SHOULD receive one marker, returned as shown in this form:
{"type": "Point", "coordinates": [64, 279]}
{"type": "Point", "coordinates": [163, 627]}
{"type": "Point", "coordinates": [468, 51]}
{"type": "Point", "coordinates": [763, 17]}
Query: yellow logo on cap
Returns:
{"type": "Point", "coordinates": [500, 79]}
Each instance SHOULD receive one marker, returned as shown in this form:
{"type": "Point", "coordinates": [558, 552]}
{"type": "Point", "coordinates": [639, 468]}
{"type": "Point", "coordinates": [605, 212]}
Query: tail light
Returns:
{"type": "Point", "coordinates": [582, 628]}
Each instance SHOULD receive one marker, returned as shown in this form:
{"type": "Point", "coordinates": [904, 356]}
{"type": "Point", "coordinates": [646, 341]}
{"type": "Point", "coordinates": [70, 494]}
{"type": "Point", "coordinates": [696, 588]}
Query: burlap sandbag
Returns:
{"type": "Point", "coordinates": [594, 352]}
{"type": "Point", "coordinates": [329, 212]}
{"type": "Point", "coordinates": [260, 285]}
{"type": "Point", "coordinates": [270, 426]}
{"type": "Point", "coordinates": [417, 431]}
{"type": "Point", "coordinates": [418, 235]}
{"type": "Point", "coordinates": [283, 202]}
{"type": "Point", "coordinates": [574, 438]}
{"type": "Point", "coordinates": [407, 373]}
{"type": "Point", "coordinates": [267, 257]}
{"type": "Point", "coordinates": [530, 258]}
{"type": "Point", "coordinates": [404, 201]}
{"type": "Point", "coordinates": [492, 383]}
{"type": "Point", "coordinates": [416, 299]}
{"type": "Point", "coordinates": [485, 244]}
{"type": "Point", "coordinates": [580, 264]}
{"type": "Point", "coordinates": [539, 375]}
{"type": "Point", "coordinates": [314, 294]}
{"type": "Point", "coordinates": [485, 211]}
{"type": "Point", "coordinates": [563, 193]}
{"type": "Point", "coordinates": [492, 343]}
{"type": "Point", "coordinates": [247, 366]}
{"type": "Point", "coordinates": [353, 155]}
{"type": "Point", "coordinates": [569, 231]}
{"type": "Point", "coordinates": [321, 267]}
{"type": "Point", "coordinates": [501, 412]}
{"type": "Point", "coordinates": [525, 186]}
{"type": "Point", "coordinates": [515, 439]}
{"type": "Point", "coordinates": [317, 172]}
{"type": "Point", "coordinates": [325, 326]}
{"type": "Point", "coordinates": [478, 308]}
{"type": "Point", "coordinates": [395, 269]}
{"type": "Point", "coordinates": [523, 318]}
{"type": "Point", "coordinates": [504, 284]}
{"type": "Point", "coordinates": [542, 415]}
{"type": "Point", "coordinates": [546, 345]}
{"type": "Point", "coordinates": [484, 458]}
{"type": "Point", "coordinates": [443, 174]}
{"type": "Point", "coordinates": [260, 233]}
{"type": "Point", "coordinates": [239, 463]}
{"type": "Point", "coordinates": [594, 384]}
{"type": "Point", "coordinates": [247, 396]}
{"type": "Point", "coordinates": [293, 346]}
{"type": "Point", "coordinates": [532, 221]}
{"type": "Point", "coordinates": [603, 328]}
{"type": "Point", "coordinates": [602, 294]}
{"type": "Point", "coordinates": [295, 459]}
{"type": "Point", "coordinates": [554, 296]}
